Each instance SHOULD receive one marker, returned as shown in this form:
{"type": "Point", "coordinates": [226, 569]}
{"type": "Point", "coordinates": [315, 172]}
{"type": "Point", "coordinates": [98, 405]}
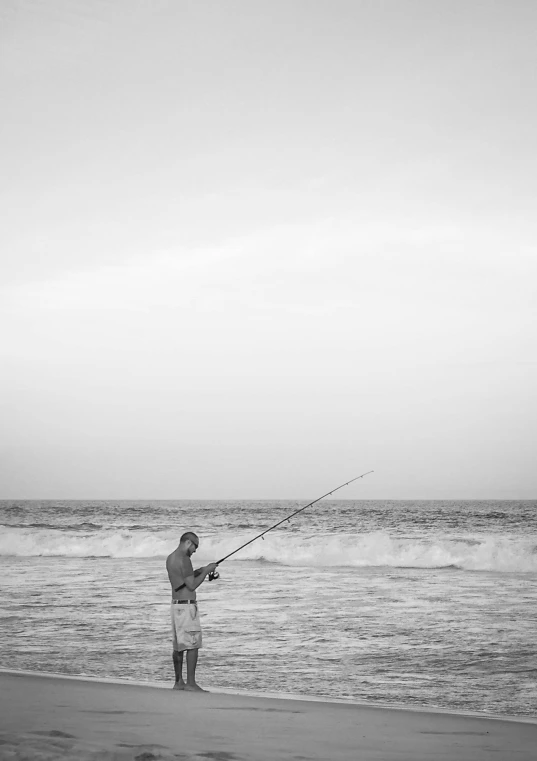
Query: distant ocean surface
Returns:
{"type": "Point", "coordinates": [404, 603]}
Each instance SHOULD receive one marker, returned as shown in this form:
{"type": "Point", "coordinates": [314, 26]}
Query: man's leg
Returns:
{"type": "Point", "coordinates": [178, 668]}
{"type": "Point", "coordinates": [191, 663]}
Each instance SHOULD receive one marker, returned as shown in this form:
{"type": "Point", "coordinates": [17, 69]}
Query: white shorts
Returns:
{"type": "Point", "coordinates": [186, 627]}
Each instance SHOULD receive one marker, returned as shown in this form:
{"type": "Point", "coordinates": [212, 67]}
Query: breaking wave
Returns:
{"type": "Point", "coordinates": [484, 552]}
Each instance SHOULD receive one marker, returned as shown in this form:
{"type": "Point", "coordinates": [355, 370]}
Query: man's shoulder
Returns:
{"type": "Point", "coordinates": [173, 557]}
{"type": "Point", "coordinates": [177, 558]}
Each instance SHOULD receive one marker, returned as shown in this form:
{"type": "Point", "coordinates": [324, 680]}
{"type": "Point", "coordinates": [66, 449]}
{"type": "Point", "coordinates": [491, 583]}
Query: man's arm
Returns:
{"type": "Point", "coordinates": [197, 577]}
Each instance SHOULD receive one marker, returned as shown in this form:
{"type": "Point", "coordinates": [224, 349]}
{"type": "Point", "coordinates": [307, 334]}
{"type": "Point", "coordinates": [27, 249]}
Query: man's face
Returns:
{"type": "Point", "coordinates": [192, 547]}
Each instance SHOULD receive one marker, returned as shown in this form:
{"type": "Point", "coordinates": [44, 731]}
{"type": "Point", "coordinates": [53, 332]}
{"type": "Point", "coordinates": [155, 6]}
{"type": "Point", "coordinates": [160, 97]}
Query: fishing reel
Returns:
{"type": "Point", "coordinates": [213, 575]}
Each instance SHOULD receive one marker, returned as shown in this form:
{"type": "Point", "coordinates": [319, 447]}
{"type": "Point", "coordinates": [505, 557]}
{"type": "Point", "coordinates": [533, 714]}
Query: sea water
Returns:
{"type": "Point", "coordinates": [403, 603]}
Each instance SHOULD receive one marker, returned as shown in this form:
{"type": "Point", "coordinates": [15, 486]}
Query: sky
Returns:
{"type": "Point", "coordinates": [254, 249]}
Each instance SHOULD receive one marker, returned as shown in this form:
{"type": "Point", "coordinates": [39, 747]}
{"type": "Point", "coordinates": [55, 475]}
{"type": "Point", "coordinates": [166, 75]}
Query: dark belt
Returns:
{"type": "Point", "coordinates": [184, 602]}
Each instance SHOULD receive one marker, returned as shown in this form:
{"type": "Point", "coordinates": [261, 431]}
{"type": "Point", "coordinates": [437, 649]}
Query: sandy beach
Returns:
{"type": "Point", "coordinates": [46, 717]}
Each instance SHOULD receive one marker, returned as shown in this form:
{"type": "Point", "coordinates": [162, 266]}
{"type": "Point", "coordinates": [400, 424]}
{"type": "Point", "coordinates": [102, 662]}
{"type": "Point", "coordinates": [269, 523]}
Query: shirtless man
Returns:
{"type": "Point", "coordinates": [186, 627]}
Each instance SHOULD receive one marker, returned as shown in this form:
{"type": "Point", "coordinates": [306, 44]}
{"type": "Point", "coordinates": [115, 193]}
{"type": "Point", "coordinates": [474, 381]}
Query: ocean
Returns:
{"type": "Point", "coordinates": [409, 603]}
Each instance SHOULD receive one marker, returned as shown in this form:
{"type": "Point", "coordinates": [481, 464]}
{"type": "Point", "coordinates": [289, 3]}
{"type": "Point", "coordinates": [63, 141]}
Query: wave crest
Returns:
{"type": "Point", "coordinates": [471, 552]}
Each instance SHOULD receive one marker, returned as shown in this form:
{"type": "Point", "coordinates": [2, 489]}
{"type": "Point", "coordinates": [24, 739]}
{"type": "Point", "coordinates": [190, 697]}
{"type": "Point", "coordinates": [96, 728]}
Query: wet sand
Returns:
{"type": "Point", "coordinates": [45, 717]}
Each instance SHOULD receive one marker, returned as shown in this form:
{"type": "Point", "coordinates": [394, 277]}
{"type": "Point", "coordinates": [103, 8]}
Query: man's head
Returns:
{"type": "Point", "coordinates": [190, 542]}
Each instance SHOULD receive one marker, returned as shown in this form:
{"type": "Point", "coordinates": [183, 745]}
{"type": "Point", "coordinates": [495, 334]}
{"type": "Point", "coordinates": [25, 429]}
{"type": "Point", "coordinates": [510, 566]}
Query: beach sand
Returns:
{"type": "Point", "coordinates": [46, 717]}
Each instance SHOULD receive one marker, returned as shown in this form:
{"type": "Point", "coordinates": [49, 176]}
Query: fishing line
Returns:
{"type": "Point", "coordinates": [215, 575]}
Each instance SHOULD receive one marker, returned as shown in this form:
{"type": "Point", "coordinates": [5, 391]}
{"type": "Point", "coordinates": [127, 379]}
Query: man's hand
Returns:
{"type": "Point", "coordinates": [203, 571]}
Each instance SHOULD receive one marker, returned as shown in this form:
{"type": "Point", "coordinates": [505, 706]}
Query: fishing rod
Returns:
{"type": "Point", "coordinates": [215, 575]}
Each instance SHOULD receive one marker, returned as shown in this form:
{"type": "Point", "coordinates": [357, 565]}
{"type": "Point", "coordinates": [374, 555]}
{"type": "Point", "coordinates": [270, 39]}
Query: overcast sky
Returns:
{"type": "Point", "coordinates": [253, 248]}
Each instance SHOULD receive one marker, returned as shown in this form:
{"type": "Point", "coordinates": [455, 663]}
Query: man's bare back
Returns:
{"type": "Point", "coordinates": [179, 567]}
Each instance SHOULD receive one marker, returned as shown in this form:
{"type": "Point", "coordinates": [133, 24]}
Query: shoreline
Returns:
{"type": "Point", "coordinates": [46, 717]}
{"type": "Point", "coordinates": [280, 696]}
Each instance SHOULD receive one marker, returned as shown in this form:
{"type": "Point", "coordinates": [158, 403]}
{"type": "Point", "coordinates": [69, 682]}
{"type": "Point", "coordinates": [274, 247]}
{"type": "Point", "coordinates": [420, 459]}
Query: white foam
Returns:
{"type": "Point", "coordinates": [26, 542]}
{"type": "Point", "coordinates": [485, 552]}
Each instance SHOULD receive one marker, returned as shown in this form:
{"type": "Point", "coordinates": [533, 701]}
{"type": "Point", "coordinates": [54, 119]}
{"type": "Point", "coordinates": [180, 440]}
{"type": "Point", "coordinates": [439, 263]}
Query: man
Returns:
{"type": "Point", "coordinates": [186, 627]}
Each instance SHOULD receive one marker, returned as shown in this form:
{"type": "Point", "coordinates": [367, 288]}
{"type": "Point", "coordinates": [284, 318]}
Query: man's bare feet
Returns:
{"type": "Point", "coordinates": [194, 688]}
{"type": "Point", "coordinates": [180, 685]}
